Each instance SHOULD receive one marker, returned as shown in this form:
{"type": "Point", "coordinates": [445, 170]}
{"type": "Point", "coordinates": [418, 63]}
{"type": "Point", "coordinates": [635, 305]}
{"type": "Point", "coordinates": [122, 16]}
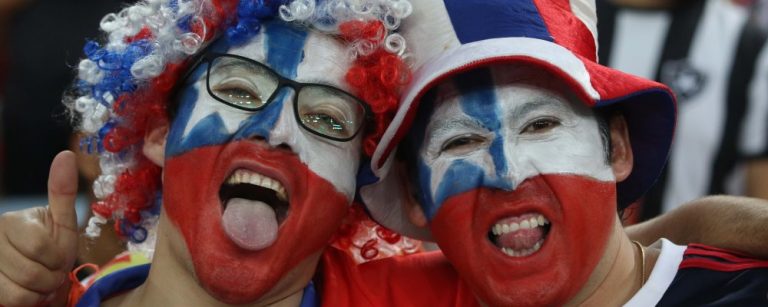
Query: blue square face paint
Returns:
{"type": "Point", "coordinates": [283, 48]}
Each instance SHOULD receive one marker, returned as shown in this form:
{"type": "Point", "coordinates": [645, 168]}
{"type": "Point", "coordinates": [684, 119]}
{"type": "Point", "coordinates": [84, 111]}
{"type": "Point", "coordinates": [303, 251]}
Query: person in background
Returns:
{"type": "Point", "coordinates": [713, 55]}
{"type": "Point", "coordinates": [44, 41]}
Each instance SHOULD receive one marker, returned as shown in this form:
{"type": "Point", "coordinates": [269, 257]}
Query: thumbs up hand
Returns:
{"type": "Point", "coordinates": [38, 246]}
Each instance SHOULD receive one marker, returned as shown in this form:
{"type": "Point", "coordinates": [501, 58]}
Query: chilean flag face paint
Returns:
{"type": "Point", "coordinates": [515, 184]}
{"type": "Point", "coordinates": [253, 193]}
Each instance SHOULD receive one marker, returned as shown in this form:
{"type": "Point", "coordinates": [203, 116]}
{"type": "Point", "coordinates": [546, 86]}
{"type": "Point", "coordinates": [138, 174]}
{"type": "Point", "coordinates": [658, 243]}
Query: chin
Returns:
{"type": "Point", "coordinates": [534, 246]}
{"type": "Point", "coordinates": [249, 215]}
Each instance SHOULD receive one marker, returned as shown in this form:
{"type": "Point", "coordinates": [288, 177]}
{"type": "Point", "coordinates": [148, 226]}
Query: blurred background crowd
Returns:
{"type": "Point", "coordinates": [711, 52]}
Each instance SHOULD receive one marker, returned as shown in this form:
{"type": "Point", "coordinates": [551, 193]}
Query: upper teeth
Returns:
{"type": "Point", "coordinates": [533, 222]}
{"type": "Point", "coordinates": [248, 177]}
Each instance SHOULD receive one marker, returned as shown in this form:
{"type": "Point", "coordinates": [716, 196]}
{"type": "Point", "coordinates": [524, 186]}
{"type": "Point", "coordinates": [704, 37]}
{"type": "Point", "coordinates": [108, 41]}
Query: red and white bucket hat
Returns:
{"type": "Point", "coordinates": [448, 37]}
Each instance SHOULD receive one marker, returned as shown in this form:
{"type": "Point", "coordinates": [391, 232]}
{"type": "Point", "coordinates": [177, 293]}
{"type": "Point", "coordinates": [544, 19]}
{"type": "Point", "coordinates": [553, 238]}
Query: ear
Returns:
{"type": "Point", "coordinates": [415, 213]}
{"type": "Point", "coordinates": [410, 205]}
{"type": "Point", "coordinates": [154, 144]}
{"type": "Point", "coordinates": [622, 159]}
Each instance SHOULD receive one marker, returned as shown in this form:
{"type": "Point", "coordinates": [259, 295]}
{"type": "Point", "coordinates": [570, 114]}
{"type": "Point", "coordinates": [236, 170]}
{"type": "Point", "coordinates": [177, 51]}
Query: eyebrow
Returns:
{"type": "Point", "coordinates": [229, 63]}
{"type": "Point", "coordinates": [533, 105]}
{"type": "Point", "coordinates": [444, 126]}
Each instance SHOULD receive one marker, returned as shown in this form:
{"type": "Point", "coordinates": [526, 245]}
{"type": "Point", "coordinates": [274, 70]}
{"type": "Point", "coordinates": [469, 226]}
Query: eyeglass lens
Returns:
{"type": "Point", "coordinates": [249, 85]}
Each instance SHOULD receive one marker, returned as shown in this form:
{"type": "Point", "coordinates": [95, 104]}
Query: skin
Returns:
{"type": "Point", "coordinates": [525, 147]}
{"type": "Point", "coordinates": [733, 216]}
{"type": "Point", "coordinates": [757, 177]}
{"type": "Point", "coordinates": [38, 246]}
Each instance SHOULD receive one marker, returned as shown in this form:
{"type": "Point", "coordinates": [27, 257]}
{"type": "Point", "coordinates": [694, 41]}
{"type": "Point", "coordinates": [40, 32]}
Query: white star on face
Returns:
{"type": "Point", "coordinates": [207, 105]}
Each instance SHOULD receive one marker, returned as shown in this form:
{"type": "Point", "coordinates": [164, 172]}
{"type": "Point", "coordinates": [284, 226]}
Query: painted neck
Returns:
{"type": "Point", "coordinates": [616, 277]}
{"type": "Point", "coordinates": [172, 282]}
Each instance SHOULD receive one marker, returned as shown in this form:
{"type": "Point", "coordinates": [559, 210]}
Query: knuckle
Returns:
{"type": "Point", "coordinates": [33, 277]}
{"type": "Point", "coordinates": [39, 247]}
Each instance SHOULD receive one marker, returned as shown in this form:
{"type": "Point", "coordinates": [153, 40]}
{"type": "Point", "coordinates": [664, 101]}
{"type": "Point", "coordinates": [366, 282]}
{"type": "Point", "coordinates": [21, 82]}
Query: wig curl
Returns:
{"type": "Point", "coordinates": [126, 82]}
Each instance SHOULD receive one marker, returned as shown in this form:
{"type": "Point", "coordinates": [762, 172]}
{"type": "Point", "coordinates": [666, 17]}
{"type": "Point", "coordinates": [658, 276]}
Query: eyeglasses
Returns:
{"type": "Point", "coordinates": [245, 84]}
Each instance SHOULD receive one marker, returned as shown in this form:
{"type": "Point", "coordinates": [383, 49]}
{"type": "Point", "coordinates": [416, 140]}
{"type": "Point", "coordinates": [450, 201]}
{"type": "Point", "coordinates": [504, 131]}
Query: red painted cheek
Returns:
{"type": "Point", "coordinates": [229, 273]}
{"type": "Point", "coordinates": [581, 211]}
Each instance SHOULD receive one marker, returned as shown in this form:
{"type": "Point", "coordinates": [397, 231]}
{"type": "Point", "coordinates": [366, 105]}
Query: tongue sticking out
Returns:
{"type": "Point", "coordinates": [251, 224]}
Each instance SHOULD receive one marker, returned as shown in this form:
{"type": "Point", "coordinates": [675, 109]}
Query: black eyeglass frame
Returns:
{"type": "Point", "coordinates": [208, 57]}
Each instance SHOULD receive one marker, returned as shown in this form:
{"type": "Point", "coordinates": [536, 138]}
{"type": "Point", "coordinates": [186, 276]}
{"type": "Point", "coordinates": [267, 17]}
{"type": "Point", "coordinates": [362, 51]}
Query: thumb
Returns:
{"type": "Point", "coordinates": [62, 190]}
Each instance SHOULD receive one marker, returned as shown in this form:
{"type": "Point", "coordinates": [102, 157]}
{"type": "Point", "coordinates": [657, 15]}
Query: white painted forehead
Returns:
{"type": "Point", "coordinates": [514, 84]}
{"type": "Point", "coordinates": [326, 59]}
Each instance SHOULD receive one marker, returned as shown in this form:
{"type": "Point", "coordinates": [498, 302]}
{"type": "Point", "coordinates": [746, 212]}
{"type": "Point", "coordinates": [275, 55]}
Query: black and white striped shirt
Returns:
{"type": "Point", "coordinates": [712, 54]}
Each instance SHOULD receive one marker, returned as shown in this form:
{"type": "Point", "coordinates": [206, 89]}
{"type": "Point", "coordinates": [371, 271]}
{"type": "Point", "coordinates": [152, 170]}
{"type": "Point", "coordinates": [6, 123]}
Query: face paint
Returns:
{"type": "Point", "coordinates": [504, 165]}
{"type": "Point", "coordinates": [252, 193]}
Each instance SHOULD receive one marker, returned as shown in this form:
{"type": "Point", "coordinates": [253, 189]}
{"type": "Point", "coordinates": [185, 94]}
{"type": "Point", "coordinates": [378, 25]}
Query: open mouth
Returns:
{"type": "Point", "coordinates": [520, 236]}
{"type": "Point", "coordinates": [253, 206]}
{"type": "Point", "coordinates": [248, 185]}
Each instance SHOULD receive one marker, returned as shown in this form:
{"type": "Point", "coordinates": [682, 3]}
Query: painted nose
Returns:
{"type": "Point", "coordinates": [262, 125]}
{"type": "Point", "coordinates": [285, 132]}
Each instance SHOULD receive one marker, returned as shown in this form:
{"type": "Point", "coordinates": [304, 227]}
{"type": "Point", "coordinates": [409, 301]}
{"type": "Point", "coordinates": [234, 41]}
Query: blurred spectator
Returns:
{"type": "Point", "coordinates": [712, 54]}
{"type": "Point", "coordinates": [44, 41]}
{"type": "Point", "coordinates": [8, 8]}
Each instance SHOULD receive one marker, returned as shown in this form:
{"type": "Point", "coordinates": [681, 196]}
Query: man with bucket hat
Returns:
{"type": "Point", "coordinates": [522, 148]}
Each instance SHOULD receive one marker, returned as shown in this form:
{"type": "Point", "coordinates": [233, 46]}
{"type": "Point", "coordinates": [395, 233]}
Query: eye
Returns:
{"type": "Point", "coordinates": [326, 122]}
{"type": "Point", "coordinates": [329, 112]}
{"type": "Point", "coordinates": [541, 125]}
{"type": "Point", "coordinates": [462, 144]}
{"type": "Point", "coordinates": [240, 93]}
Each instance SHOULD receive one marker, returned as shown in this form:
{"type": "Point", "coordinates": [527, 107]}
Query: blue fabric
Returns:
{"type": "Point", "coordinates": [113, 284]}
{"type": "Point", "coordinates": [309, 298]}
{"type": "Point", "coordinates": [130, 278]}
{"type": "Point", "coordinates": [701, 286]}
{"type": "Point", "coordinates": [478, 20]}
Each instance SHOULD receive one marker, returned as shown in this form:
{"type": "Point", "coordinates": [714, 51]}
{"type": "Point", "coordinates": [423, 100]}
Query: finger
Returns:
{"type": "Point", "coordinates": [62, 190]}
{"type": "Point", "coordinates": [29, 274]}
{"type": "Point", "coordinates": [32, 238]}
{"type": "Point", "coordinates": [15, 295]}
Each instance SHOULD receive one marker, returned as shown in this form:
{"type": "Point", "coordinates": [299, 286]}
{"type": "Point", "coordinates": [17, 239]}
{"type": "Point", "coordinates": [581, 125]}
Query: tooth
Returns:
{"type": "Point", "coordinates": [537, 246]}
{"type": "Point", "coordinates": [266, 183]}
{"type": "Point", "coordinates": [504, 229]}
{"type": "Point", "coordinates": [525, 225]}
{"type": "Point", "coordinates": [497, 229]}
{"type": "Point", "coordinates": [514, 227]}
{"type": "Point", "coordinates": [281, 195]}
{"type": "Point", "coordinates": [261, 181]}
{"type": "Point", "coordinates": [534, 222]}
{"type": "Point", "coordinates": [541, 220]}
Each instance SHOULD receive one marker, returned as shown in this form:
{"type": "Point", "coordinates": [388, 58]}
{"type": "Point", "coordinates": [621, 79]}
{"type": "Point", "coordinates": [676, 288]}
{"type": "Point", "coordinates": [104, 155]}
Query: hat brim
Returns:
{"type": "Point", "coordinates": [648, 107]}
